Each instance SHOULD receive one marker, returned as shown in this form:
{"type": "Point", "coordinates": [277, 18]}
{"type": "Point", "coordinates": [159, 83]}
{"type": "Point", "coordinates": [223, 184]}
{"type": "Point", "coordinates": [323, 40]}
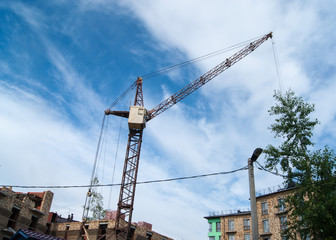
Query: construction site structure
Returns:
{"type": "Point", "coordinates": [137, 118]}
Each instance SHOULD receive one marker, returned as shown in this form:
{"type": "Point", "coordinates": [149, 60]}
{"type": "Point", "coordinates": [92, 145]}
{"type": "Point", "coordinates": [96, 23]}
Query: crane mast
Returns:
{"type": "Point", "coordinates": [137, 118]}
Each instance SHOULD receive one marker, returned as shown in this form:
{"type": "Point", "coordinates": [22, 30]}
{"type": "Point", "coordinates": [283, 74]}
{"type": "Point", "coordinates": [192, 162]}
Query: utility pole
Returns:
{"type": "Point", "coordinates": [254, 218]}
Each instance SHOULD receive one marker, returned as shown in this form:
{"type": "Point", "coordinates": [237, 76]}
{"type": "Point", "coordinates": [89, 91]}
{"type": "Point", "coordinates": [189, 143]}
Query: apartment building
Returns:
{"type": "Point", "coordinates": [236, 225]}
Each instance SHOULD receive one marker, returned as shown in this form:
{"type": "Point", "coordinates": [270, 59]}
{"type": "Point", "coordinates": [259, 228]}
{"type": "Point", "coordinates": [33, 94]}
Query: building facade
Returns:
{"type": "Point", "coordinates": [102, 230]}
{"type": "Point", "coordinates": [23, 211]}
{"type": "Point", "coordinates": [236, 225]}
{"type": "Point", "coordinates": [31, 211]}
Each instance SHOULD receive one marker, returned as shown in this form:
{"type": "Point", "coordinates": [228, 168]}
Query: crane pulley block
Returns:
{"type": "Point", "coordinates": [137, 117]}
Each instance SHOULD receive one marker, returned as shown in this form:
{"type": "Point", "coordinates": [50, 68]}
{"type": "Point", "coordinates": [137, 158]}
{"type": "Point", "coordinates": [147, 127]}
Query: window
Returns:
{"type": "Point", "coordinates": [247, 237]}
{"type": "Point", "coordinates": [211, 238]}
{"type": "Point", "coordinates": [102, 231]}
{"type": "Point", "coordinates": [210, 227]}
{"type": "Point", "coordinates": [264, 208]}
{"type": "Point", "coordinates": [281, 204]}
{"type": "Point", "coordinates": [33, 223]}
{"type": "Point", "coordinates": [283, 222]}
{"type": "Point", "coordinates": [218, 226]}
{"type": "Point", "coordinates": [231, 237]}
{"type": "Point", "coordinates": [67, 228]}
{"type": "Point", "coordinates": [13, 218]}
{"type": "Point", "coordinates": [266, 225]}
{"type": "Point", "coordinates": [231, 225]}
{"type": "Point", "coordinates": [247, 224]}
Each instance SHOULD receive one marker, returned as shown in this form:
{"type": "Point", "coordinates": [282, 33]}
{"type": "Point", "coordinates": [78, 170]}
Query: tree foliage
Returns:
{"type": "Point", "coordinates": [96, 203]}
{"type": "Point", "coordinates": [312, 206]}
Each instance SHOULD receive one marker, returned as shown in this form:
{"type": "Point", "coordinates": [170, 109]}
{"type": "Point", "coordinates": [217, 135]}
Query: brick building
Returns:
{"type": "Point", "coordinates": [23, 210]}
{"type": "Point", "coordinates": [31, 211]}
{"type": "Point", "coordinates": [102, 230]}
{"type": "Point", "coordinates": [272, 217]}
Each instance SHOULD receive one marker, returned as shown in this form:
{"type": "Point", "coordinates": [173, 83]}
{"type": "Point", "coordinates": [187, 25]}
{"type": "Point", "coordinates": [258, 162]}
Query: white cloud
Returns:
{"type": "Point", "coordinates": [216, 129]}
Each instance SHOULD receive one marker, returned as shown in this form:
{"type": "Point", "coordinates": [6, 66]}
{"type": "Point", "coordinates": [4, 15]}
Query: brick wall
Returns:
{"type": "Point", "coordinates": [27, 206]}
{"type": "Point", "coordinates": [238, 229]}
{"type": "Point", "coordinates": [273, 214]}
{"type": "Point", "coordinates": [72, 230]}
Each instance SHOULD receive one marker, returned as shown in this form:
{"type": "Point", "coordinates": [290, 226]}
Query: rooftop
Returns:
{"type": "Point", "coordinates": [28, 234]}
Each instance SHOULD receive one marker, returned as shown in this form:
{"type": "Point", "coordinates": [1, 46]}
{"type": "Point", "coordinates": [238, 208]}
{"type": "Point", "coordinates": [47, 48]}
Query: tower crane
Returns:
{"type": "Point", "coordinates": [138, 115]}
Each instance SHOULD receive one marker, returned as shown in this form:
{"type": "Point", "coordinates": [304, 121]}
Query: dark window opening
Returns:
{"type": "Point", "coordinates": [149, 235]}
{"type": "Point", "coordinates": [66, 231]}
{"type": "Point", "coordinates": [33, 223]}
{"type": "Point", "coordinates": [38, 204]}
{"type": "Point", "coordinates": [102, 231]}
{"type": "Point", "coordinates": [13, 218]}
{"type": "Point", "coordinates": [83, 235]}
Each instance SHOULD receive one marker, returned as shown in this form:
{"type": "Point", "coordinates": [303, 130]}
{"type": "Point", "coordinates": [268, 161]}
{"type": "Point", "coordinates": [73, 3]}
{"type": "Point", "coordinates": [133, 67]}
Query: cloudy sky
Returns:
{"type": "Point", "coordinates": [62, 63]}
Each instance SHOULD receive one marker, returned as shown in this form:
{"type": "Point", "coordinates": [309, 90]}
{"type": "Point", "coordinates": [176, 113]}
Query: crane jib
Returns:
{"type": "Point", "coordinates": [196, 84]}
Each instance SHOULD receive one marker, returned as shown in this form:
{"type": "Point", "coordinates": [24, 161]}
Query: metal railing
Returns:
{"type": "Point", "coordinates": [227, 212]}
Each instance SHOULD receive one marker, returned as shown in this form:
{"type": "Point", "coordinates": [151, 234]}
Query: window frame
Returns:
{"type": "Point", "coordinates": [210, 226]}
{"type": "Point", "coordinates": [264, 211]}
{"type": "Point", "coordinates": [268, 228]}
{"type": "Point", "coordinates": [231, 236]}
{"type": "Point", "coordinates": [249, 236]}
{"type": "Point", "coordinates": [231, 225]}
{"type": "Point", "coordinates": [220, 227]}
{"type": "Point", "coordinates": [283, 224]}
{"type": "Point", "coordinates": [281, 204]}
{"type": "Point", "coordinates": [247, 226]}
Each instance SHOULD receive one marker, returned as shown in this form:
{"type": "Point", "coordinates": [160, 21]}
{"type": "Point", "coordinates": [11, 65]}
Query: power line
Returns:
{"type": "Point", "coordinates": [274, 173]}
{"type": "Point", "coordinates": [144, 182]}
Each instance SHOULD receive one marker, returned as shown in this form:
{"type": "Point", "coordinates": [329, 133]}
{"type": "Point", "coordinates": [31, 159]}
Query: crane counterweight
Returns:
{"type": "Point", "coordinates": [137, 117]}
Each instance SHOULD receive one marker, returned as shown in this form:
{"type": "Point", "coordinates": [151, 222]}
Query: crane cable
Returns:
{"type": "Point", "coordinates": [211, 54]}
{"type": "Point", "coordinates": [89, 193]}
{"type": "Point", "coordinates": [102, 142]}
{"type": "Point", "coordinates": [118, 99]}
{"type": "Point", "coordinates": [277, 66]}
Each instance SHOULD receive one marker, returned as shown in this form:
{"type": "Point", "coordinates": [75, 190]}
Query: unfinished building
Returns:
{"type": "Point", "coordinates": [23, 211]}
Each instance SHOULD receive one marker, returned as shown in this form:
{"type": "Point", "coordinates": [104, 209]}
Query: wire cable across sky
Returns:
{"type": "Point", "coordinates": [144, 182]}
{"type": "Point", "coordinates": [260, 167]}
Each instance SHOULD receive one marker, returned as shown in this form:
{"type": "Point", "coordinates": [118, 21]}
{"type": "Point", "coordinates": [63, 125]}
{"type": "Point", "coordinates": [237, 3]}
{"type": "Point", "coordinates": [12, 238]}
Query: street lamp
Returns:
{"type": "Point", "coordinates": [254, 219]}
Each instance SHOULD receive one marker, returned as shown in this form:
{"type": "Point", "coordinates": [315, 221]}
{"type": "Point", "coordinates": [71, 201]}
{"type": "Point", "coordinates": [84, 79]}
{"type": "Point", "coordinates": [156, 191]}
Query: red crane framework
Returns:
{"type": "Point", "coordinates": [137, 118]}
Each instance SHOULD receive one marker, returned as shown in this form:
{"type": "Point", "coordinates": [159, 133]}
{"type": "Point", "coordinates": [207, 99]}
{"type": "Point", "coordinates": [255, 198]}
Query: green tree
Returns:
{"type": "Point", "coordinates": [96, 203]}
{"type": "Point", "coordinates": [312, 206]}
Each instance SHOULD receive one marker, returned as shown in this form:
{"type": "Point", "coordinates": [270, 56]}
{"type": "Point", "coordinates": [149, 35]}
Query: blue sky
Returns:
{"type": "Point", "coordinates": [63, 62]}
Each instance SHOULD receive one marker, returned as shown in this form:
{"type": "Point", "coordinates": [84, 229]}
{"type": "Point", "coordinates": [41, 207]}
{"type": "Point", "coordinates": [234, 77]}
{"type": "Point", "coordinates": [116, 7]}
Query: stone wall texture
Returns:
{"type": "Point", "coordinates": [28, 206]}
